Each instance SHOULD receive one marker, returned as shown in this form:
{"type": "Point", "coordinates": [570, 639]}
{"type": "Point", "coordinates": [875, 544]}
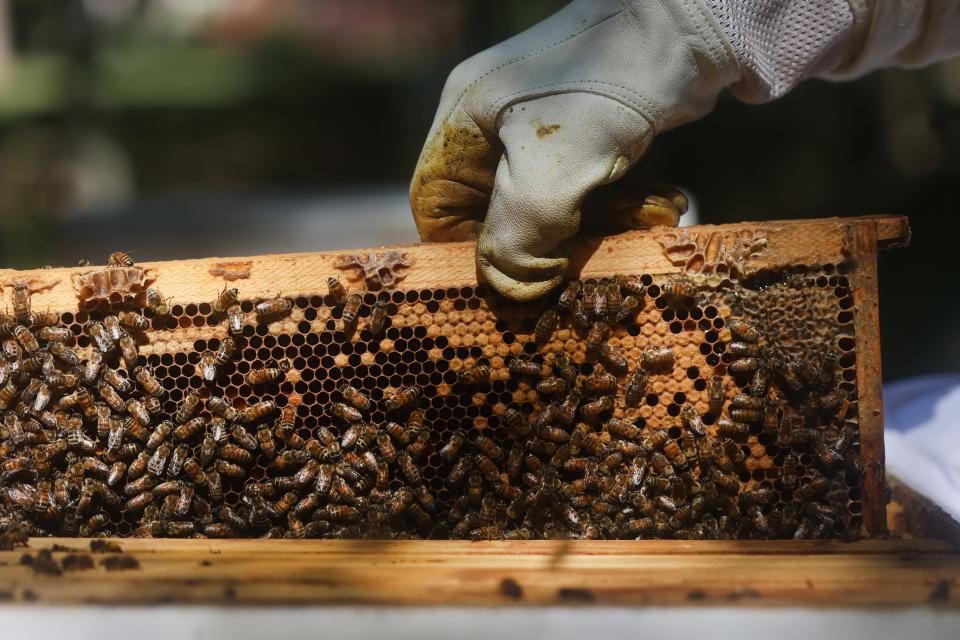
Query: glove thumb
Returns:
{"type": "Point", "coordinates": [557, 149]}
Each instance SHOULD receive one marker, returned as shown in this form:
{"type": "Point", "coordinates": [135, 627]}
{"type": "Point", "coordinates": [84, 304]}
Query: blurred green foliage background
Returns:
{"type": "Point", "coordinates": [152, 125]}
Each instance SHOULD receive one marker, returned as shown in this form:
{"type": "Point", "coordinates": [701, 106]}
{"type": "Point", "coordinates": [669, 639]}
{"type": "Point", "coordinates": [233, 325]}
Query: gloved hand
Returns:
{"type": "Point", "coordinates": [526, 129]}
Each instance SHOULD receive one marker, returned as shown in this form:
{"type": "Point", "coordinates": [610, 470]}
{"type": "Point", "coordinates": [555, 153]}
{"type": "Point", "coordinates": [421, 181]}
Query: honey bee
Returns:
{"type": "Point", "coordinates": [275, 307]}
{"type": "Point", "coordinates": [734, 451]}
{"type": "Point", "coordinates": [742, 414]}
{"type": "Point", "coordinates": [177, 458]}
{"type": "Point", "coordinates": [622, 429]}
{"type": "Point", "coordinates": [788, 471]}
{"type": "Point", "coordinates": [119, 259]}
{"type": "Point", "coordinates": [233, 453]}
{"type": "Point", "coordinates": [716, 394]}
{"type": "Point", "coordinates": [459, 471]}
{"type": "Point", "coordinates": [225, 351]}
{"type": "Point", "coordinates": [208, 449]}
{"type": "Point", "coordinates": [416, 421]}
{"type": "Point", "coordinates": [226, 299]}
{"type": "Point", "coordinates": [345, 412]}
{"type": "Point", "coordinates": [116, 380]}
{"type": "Point", "coordinates": [138, 466]}
{"type": "Point", "coordinates": [144, 375]}
{"type": "Point", "coordinates": [232, 519]}
{"type": "Point", "coordinates": [827, 457]}
{"type": "Point", "coordinates": [214, 485]}
{"type": "Point", "coordinates": [268, 375]}
{"type": "Point", "coordinates": [91, 367]}
{"type": "Point", "coordinates": [160, 434]}
{"type": "Point", "coordinates": [789, 369]}
{"type": "Point", "coordinates": [156, 303]}
{"type": "Point", "coordinates": [398, 432]}
{"type": "Point", "coordinates": [341, 513]}
{"type": "Point", "coordinates": [336, 290]}
{"type": "Point", "coordinates": [744, 365]}
{"type": "Point", "coordinates": [658, 359]}
{"type": "Point", "coordinates": [569, 295]}
{"type": "Point", "coordinates": [403, 399]}
{"type": "Point", "coordinates": [14, 466]}
{"type": "Point", "coordinates": [208, 366]}
{"type": "Point", "coordinates": [188, 429]}
{"type": "Point", "coordinates": [546, 325]}
{"type": "Point", "coordinates": [614, 298]}
{"type": "Point", "coordinates": [568, 408]}
{"type": "Point", "coordinates": [655, 440]}
{"type": "Point", "coordinates": [243, 437]}
{"type": "Point", "coordinates": [222, 408]}
{"type": "Point", "coordinates": [551, 386]}
{"type": "Point", "coordinates": [636, 388]}
{"type": "Point", "coordinates": [230, 469]}
{"type": "Point", "coordinates": [547, 416]}
{"type": "Point", "coordinates": [53, 334]}
{"type": "Point", "coordinates": [488, 447]}
{"type": "Point", "coordinates": [94, 524]}
{"type": "Point", "coordinates": [816, 486]}
{"type": "Point", "coordinates": [476, 375]}
{"type": "Point", "coordinates": [679, 289]}
{"type": "Point", "coordinates": [730, 429]}
{"type": "Point", "coordinates": [517, 422]}
{"type": "Point", "coordinates": [158, 461]}
{"type": "Point", "coordinates": [581, 319]}
{"type": "Point", "coordinates": [378, 317]}
{"type": "Point", "coordinates": [743, 330]}
{"type": "Point", "coordinates": [21, 302]}
{"type": "Point", "coordinates": [628, 309]}
{"type": "Point", "coordinates": [188, 406]}
{"type": "Point", "coordinates": [522, 367]}
{"type": "Point", "coordinates": [136, 409]}
{"type": "Point", "coordinates": [612, 357]}
{"type": "Point", "coordinates": [43, 397]}
{"type": "Point", "coordinates": [832, 399]}
{"type": "Point", "coordinates": [828, 370]}
{"type": "Point", "coordinates": [355, 397]}
{"type": "Point", "coordinates": [744, 401]}
{"type": "Point", "coordinates": [591, 411]}
{"type": "Point", "coordinates": [111, 397]}
{"type": "Point", "coordinates": [63, 353]}
{"type": "Point", "coordinates": [450, 451]}
{"type": "Point", "coordinates": [133, 321]}
{"type": "Point", "coordinates": [844, 439]}
{"type": "Point", "coordinates": [726, 482]}
{"type": "Point", "coordinates": [351, 308]}
{"type": "Point", "coordinates": [598, 333]}
{"type": "Point", "coordinates": [26, 339]}
{"type": "Point", "coordinates": [597, 297]}
{"type": "Point", "coordinates": [745, 350]}
{"type": "Point", "coordinates": [194, 472]}
{"type": "Point", "coordinates": [675, 455]}
{"type": "Point", "coordinates": [692, 420]}
{"type": "Point", "coordinates": [553, 434]}
{"type": "Point", "coordinates": [267, 445]}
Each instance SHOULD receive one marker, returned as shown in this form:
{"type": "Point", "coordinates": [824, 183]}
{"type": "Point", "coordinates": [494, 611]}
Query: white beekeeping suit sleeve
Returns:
{"type": "Point", "coordinates": [778, 43]}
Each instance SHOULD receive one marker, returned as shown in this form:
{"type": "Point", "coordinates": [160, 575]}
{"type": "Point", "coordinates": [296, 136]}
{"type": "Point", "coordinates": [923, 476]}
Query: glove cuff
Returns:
{"type": "Point", "coordinates": [667, 60]}
{"type": "Point", "coordinates": [780, 43]}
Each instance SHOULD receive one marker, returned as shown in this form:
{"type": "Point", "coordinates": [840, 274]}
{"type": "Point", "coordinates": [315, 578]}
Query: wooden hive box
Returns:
{"type": "Point", "coordinates": [809, 286]}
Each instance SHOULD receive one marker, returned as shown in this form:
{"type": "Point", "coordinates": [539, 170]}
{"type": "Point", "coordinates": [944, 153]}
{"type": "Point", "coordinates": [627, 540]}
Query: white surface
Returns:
{"type": "Point", "coordinates": [348, 623]}
{"type": "Point", "coordinates": [922, 436]}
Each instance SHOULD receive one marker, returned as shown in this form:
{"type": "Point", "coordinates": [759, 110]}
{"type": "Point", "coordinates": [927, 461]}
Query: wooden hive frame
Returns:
{"type": "Point", "coordinates": [546, 571]}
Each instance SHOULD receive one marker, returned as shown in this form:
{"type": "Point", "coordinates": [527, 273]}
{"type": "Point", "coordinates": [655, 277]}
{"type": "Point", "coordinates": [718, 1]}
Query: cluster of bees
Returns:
{"type": "Point", "coordinates": [575, 470]}
{"type": "Point", "coordinates": [86, 438]}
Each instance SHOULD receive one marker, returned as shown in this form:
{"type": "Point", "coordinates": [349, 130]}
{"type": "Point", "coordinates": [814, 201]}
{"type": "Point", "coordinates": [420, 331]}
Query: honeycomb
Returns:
{"type": "Point", "coordinates": [536, 488]}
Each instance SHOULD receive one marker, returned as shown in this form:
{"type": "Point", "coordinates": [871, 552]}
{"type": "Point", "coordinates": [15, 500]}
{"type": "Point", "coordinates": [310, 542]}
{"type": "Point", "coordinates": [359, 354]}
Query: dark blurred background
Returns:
{"type": "Point", "coordinates": [189, 128]}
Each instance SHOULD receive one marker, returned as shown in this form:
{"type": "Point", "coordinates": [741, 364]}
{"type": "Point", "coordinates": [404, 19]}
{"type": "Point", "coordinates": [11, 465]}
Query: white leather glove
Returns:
{"type": "Point", "coordinates": [527, 128]}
